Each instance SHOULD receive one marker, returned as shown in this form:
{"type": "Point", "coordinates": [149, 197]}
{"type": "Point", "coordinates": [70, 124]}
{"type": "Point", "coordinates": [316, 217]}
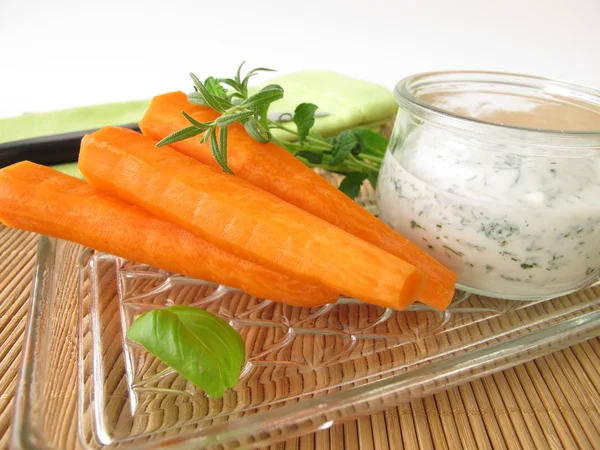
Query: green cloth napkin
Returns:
{"type": "Point", "coordinates": [348, 101]}
{"type": "Point", "coordinates": [31, 125]}
{"type": "Point", "coordinates": [68, 120]}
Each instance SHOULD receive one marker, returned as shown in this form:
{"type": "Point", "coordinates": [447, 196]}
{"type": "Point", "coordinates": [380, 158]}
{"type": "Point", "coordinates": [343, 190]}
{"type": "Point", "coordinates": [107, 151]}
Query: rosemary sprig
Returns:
{"type": "Point", "coordinates": [357, 152]}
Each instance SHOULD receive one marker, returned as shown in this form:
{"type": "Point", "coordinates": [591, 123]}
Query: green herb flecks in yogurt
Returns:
{"type": "Point", "coordinates": [503, 223]}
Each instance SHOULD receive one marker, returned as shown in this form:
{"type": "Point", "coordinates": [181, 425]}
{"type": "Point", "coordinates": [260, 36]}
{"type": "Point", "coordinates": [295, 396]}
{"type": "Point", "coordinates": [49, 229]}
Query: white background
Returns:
{"type": "Point", "coordinates": [63, 53]}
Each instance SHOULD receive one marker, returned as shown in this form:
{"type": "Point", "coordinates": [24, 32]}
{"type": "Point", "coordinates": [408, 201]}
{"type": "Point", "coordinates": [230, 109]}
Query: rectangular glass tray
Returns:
{"type": "Point", "coordinates": [83, 385]}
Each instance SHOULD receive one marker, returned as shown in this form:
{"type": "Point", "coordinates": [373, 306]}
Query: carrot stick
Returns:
{"type": "Point", "coordinates": [43, 200]}
{"type": "Point", "coordinates": [275, 170]}
{"type": "Point", "coordinates": [244, 220]}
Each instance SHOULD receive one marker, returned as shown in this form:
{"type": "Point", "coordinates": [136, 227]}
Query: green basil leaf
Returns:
{"type": "Point", "coordinates": [266, 95]}
{"type": "Point", "coordinates": [214, 87]}
{"type": "Point", "coordinates": [201, 347]}
{"type": "Point", "coordinates": [344, 144]}
{"type": "Point", "coordinates": [352, 183]}
{"type": "Point", "coordinates": [227, 119]}
{"type": "Point", "coordinates": [372, 143]}
{"type": "Point", "coordinates": [304, 118]}
{"type": "Point", "coordinates": [180, 135]}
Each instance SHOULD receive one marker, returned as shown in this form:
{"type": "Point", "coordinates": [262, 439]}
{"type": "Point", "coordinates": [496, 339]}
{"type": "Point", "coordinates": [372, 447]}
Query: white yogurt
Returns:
{"type": "Point", "coordinates": [507, 225]}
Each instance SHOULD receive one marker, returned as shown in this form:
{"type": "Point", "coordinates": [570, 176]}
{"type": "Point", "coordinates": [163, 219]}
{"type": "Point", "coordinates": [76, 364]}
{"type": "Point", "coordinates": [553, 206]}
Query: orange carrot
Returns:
{"type": "Point", "coordinates": [40, 199]}
{"type": "Point", "coordinates": [244, 220]}
{"type": "Point", "coordinates": [275, 170]}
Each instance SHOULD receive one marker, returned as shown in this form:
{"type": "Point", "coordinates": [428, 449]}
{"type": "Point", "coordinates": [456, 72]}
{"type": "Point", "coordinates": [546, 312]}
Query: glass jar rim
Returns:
{"type": "Point", "coordinates": [407, 100]}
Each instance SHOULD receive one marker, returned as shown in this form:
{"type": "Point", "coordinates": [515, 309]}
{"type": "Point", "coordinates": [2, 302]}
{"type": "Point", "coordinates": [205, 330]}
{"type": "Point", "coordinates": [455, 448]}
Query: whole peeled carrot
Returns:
{"type": "Point", "coordinates": [244, 220]}
{"type": "Point", "coordinates": [277, 171]}
{"type": "Point", "coordinates": [43, 200]}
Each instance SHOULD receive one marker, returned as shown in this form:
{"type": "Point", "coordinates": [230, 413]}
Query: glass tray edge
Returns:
{"type": "Point", "coordinates": [23, 435]}
{"type": "Point", "coordinates": [311, 414]}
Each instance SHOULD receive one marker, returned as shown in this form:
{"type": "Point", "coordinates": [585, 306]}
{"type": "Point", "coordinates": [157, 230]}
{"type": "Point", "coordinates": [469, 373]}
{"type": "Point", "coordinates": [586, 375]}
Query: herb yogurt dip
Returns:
{"type": "Point", "coordinates": [508, 225]}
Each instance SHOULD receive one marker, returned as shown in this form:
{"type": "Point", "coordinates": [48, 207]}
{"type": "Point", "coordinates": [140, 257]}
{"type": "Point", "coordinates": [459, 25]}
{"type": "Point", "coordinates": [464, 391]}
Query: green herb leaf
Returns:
{"type": "Point", "coordinates": [197, 98]}
{"type": "Point", "coordinates": [216, 103]}
{"type": "Point", "coordinates": [214, 87]}
{"type": "Point", "coordinates": [250, 74]}
{"type": "Point", "coordinates": [266, 95]}
{"type": "Point", "coordinates": [238, 76]}
{"type": "Point", "coordinates": [227, 119]}
{"type": "Point", "coordinates": [180, 135]}
{"type": "Point", "coordinates": [310, 156]}
{"type": "Point", "coordinates": [223, 148]}
{"type": "Point", "coordinates": [261, 112]}
{"type": "Point", "coordinates": [352, 183]}
{"type": "Point", "coordinates": [304, 118]}
{"type": "Point", "coordinates": [360, 144]}
{"type": "Point", "coordinates": [373, 143]}
{"type": "Point", "coordinates": [344, 145]}
{"type": "Point", "coordinates": [260, 69]}
{"type": "Point", "coordinates": [201, 347]}
{"type": "Point", "coordinates": [358, 152]}
{"type": "Point", "coordinates": [256, 131]}
{"type": "Point", "coordinates": [200, 125]}
{"type": "Point", "coordinates": [232, 83]}
{"type": "Point", "coordinates": [217, 151]}
{"type": "Point", "coordinates": [373, 176]}
{"type": "Point", "coordinates": [206, 136]}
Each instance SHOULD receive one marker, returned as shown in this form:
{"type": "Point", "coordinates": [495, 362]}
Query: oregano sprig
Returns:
{"type": "Point", "coordinates": [357, 152]}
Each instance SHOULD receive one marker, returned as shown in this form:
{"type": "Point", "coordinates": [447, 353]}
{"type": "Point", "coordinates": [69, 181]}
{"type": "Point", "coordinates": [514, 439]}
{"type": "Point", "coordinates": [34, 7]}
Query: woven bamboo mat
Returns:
{"type": "Point", "coordinates": [552, 402]}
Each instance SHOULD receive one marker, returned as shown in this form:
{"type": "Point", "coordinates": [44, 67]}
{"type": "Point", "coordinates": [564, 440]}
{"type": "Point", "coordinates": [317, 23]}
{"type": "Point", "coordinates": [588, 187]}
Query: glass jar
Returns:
{"type": "Point", "coordinates": [497, 176]}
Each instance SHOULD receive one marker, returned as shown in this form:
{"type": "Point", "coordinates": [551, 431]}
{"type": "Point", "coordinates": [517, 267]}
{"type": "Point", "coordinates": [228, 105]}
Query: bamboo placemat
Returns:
{"type": "Point", "coordinates": [552, 402]}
